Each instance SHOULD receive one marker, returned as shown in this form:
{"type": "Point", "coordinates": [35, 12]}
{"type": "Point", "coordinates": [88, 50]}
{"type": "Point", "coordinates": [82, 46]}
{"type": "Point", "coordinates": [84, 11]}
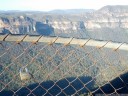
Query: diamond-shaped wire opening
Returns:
{"type": "Point", "coordinates": [23, 91]}
{"type": "Point", "coordinates": [16, 50]}
{"type": "Point", "coordinates": [5, 60]}
{"type": "Point", "coordinates": [2, 85]}
{"type": "Point", "coordinates": [35, 49]}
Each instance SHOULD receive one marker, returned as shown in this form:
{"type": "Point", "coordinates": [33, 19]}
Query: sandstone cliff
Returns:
{"type": "Point", "coordinates": [104, 23]}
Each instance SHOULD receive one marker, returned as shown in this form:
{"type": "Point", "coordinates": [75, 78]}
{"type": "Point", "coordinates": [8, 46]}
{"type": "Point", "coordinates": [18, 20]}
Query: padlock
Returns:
{"type": "Point", "coordinates": [24, 74]}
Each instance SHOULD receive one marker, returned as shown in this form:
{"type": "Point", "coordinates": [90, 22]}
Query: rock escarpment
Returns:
{"type": "Point", "coordinates": [104, 23]}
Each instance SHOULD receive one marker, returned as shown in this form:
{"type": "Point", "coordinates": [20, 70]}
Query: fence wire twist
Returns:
{"type": "Point", "coordinates": [62, 66]}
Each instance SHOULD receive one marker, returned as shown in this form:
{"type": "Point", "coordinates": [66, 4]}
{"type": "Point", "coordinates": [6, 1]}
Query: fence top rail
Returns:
{"type": "Point", "coordinates": [65, 41]}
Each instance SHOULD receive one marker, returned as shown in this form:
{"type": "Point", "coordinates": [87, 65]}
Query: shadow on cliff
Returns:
{"type": "Point", "coordinates": [53, 88]}
{"type": "Point", "coordinates": [120, 84]}
{"type": "Point", "coordinates": [5, 31]}
{"type": "Point", "coordinates": [44, 29]}
{"type": "Point", "coordinates": [68, 88]}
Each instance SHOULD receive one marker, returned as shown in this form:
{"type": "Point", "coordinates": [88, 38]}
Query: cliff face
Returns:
{"type": "Point", "coordinates": [29, 25]}
{"type": "Point", "coordinates": [109, 20]}
{"type": "Point", "coordinates": [24, 25]}
{"type": "Point", "coordinates": [16, 25]}
{"type": "Point", "coordinates": [109, 17]}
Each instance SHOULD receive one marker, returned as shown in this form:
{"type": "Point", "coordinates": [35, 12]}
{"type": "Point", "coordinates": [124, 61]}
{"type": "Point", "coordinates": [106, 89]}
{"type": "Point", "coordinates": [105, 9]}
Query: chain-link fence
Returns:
{"type": "Point", "coordinates": [55, 66]}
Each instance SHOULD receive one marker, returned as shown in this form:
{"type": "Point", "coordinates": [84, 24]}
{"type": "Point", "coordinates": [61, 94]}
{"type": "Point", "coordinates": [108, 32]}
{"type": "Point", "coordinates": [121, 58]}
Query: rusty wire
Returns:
{"type": "Point", "coordinates": [57, 59]}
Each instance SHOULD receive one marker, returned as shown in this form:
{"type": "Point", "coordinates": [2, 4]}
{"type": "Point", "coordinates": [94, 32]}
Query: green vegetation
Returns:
{"type": "Point", "coordinates": [72, 61]}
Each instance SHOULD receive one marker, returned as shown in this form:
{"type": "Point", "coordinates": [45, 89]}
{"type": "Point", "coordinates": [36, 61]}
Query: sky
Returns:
{"type": "Point", "coordinates": [47, 5]}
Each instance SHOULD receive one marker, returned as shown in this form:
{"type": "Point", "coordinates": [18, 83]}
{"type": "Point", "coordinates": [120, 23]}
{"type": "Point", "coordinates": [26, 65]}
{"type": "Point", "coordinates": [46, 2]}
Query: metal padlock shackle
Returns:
{"type": "Point", "coordinates": [25, 75]}
{"type": "Point", "coordinates": [21, 70]}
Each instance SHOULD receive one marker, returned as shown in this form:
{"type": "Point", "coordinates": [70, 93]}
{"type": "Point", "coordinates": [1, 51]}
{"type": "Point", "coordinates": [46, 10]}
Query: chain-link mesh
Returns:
{"type": "Point", "coordinates": [61, 68]}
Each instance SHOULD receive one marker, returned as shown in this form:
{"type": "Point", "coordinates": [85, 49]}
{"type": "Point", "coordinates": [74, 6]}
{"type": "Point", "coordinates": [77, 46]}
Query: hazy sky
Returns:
{"type": "Point", "coordinates": [46, 5]}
